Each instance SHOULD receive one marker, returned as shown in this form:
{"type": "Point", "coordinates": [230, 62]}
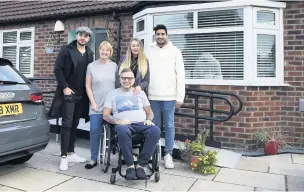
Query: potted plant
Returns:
{"type": "Point", "coordinates": [195, 154]}
{"type": "Point", "coordinates": [194, 149]}
{"type": "Point", "coordinates": [272, 139]}
{"type": "Point", "coordinates": [205, 163]}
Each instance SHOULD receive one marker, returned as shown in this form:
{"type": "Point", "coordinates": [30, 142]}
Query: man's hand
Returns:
{"type": "Point", "coordinates": [148, 122]}
{"type": "Point", "coordinates": [136, 90]}
{"type": "Point", "coordinates": [67, 91]}
{"type": "Point", "coordinates": [178, 104]}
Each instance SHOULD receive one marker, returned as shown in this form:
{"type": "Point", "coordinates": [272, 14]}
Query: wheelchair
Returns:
{"type": "Point", "coordinates": [109, 144]}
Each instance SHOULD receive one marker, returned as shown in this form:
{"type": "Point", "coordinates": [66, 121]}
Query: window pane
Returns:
{"type": "Point", "coordinates": [10, 37]}
{"type": "Point", "coordinates": [10, 53]}
{"type": "Point", "coordinates": [25, 60]}
{"type": "Point", "coordinates": [222, 18]}
{"type": "Point", "coordinates": [140, 26]}
{"type": "Point", "coordinates": [264, 17]}
{"type": "Point", "coordinates": [175, 21]}
{"type": "Point", "coordinates": [266, 56]}
{"type": "Point", "coordinates": [212, 55]}
{"type": "Point", "coordinates": [24, 36]}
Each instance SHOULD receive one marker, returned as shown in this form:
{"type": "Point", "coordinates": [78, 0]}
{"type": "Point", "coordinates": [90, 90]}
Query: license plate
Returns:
{"type": "Point", "coordinates": [11, 109]}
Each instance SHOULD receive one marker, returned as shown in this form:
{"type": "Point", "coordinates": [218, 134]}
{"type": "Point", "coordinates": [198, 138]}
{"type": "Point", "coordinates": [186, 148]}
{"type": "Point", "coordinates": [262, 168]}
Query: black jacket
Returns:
{"type": "Point", "coordinates": [65, 67]}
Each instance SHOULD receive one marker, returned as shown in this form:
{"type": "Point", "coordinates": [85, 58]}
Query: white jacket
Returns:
{"type": "Point", "coordinates": [167, 73]}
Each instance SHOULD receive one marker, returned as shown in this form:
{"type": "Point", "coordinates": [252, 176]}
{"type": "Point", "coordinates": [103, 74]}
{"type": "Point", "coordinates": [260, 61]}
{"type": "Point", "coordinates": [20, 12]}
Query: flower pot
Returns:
{"type": "Point", "coordinates": [193, 160]}
{"type": "Point", "coordinates": [271, 147]}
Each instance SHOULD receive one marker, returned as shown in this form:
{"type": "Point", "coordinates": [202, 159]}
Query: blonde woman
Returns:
{"type": "Point", "coordinates": [100, 79]}
{"type": "Point", "coordinates": [137, 61]}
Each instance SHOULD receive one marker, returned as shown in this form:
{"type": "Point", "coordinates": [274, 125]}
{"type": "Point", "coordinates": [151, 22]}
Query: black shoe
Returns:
{"type": "Point", "coordinates": [91, 165]}
{"type": "Point", "coordinates": [140, 173]}
{"type": "Point", "coordinates": [130, 174]}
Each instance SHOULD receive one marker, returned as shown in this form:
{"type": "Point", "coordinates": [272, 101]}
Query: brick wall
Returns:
{"type": "Point", "coordinates": [264, 107]}
{"type": "Point", "coordinates": [294, 68]}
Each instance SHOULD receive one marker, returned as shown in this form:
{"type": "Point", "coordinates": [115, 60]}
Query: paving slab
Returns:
{"type": "Point", "coordinates": [298, 159]}
{"type": "Point", "coordinates": [79, 184]}
{"type": "Point", "coordinates": [4, 169]}
{"type": "Point", "coordinates": [251, 164]}
{"type": "Point", "coordinates": [95, 174]}
{"type": "Point", "coordinates": [295, 183]}
{"type": "Point", "coordinates": [280, 159]}
{"type": "Point", "coordinates": [81, 151]}
{"type": "Point", "coordinates": [52, 148]}
{"type": "Point", "coordinates": [45, 162]}
{"type": "Point", "coordinates": [250, 178]}
{"type": "Point", "coordinates": [166, 183]}
{"type": "Point", "coordinates": [288, 169]}
{"type": "Point", "coordinates": [227, 158]}
{"type": "Point", "coordinates": [29, 179]}
{"type": "Point", "coordinates": [182, 169]}
{"type": "Point", "coordinates": [266, 190]}
{"type": "Point", "coordinates": [4, 188]}
{"type": "Point", "coordinates": [201, 185]}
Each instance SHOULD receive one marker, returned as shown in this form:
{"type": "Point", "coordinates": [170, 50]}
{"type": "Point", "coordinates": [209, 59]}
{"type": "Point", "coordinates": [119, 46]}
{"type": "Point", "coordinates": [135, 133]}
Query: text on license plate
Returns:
{"type": "Point", "coordinates": [11, 109]}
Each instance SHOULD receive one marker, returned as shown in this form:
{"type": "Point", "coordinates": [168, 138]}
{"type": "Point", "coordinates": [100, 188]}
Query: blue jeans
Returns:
{"type": "Point", "coordinates": [95, 132]}
{"type": "Point", "coordinates": [165, 108]}
{"type": "Point", "coordinates": [151, 134]}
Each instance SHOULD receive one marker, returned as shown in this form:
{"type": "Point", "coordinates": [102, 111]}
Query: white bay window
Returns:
{"type": "Point", "coordinates": [18, 47]}
{"type": "Point", "coordinates": [223, 43]}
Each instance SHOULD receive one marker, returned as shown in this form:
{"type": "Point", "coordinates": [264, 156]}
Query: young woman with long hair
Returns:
{"type": "Point", "coordinates": [137, 61]}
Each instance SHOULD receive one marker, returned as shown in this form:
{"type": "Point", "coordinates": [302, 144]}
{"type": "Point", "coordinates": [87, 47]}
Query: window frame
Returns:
{"type": "Point", "coordinates": [276, 26]}
{"type": "Point", "coordinates": [278, 63]}
{"type": "Point", "coordinates": [250, 28]}
{"type": "Point", "coordinates": [18, 44]}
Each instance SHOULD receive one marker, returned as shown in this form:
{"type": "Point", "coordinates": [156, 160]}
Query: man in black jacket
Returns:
{"type": "Point", "coordinates": [71, 101]}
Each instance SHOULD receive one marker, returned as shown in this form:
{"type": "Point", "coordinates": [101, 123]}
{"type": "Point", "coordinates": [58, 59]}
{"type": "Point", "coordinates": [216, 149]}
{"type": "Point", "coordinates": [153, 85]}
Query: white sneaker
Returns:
{"type": "Point", "coordinates": [74, 158]}
{"type": "Point", "coordinates": [63, 164]}
{"type": "Point", "coordinates": [168, 161]}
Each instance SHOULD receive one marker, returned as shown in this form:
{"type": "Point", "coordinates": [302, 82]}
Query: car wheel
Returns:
{"type": "Point", "coordinates": [20, 160]}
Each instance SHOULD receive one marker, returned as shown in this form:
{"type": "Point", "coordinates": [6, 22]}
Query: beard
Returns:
{"type": "Point", "coordinates": [81, 44]}
{"type": "Point", "coordinates": [161, 42]}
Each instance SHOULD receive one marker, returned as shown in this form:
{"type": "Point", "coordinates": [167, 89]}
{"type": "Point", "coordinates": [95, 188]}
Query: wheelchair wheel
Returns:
{"type": "Point", "coordinates": [156, 160]}
{"type": "Point", "coordinates": [156, 176]}
{"type": "Point", "coordinates": [106, 152]}
{"type": "Point", "coordinates": [113, 178]}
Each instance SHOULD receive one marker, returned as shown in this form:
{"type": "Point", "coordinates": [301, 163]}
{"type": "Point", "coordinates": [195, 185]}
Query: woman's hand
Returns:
{"type": "Point", "coordinates": [137, 90]}
{"type": "Point", "coordinates": [95, 107]}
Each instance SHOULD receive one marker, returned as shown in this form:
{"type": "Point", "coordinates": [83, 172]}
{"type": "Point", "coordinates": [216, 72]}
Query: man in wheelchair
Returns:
{"type": "Point", "coordinates": [131, 113]}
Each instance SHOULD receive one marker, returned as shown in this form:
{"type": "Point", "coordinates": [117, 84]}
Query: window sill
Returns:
{"type": "Point", "coordinates": [268, 84]}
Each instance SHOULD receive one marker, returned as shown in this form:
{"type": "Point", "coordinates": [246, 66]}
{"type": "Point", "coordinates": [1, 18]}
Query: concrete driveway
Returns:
{"type": "Point", "coordinates": [270, 173]}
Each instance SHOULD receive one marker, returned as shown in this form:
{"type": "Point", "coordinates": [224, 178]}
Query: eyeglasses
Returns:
{"type": "Point", "coordinates": [127, 78]}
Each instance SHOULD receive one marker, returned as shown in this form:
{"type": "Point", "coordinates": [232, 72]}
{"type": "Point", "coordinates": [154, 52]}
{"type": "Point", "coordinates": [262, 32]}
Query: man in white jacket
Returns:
{"type": "Point", "coordinates": [166, 89]}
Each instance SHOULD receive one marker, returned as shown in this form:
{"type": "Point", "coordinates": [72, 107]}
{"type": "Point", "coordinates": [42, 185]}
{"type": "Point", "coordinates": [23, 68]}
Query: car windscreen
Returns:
{"type": "Point", "coordinates": [10, 75]}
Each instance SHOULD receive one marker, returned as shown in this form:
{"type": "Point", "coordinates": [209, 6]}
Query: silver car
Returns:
{"type": "Point", "coordinates": [24, 127]}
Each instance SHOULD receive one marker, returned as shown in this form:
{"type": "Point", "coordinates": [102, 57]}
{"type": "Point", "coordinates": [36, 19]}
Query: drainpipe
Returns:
{"type": "Point", "coordinates": [118, 37]}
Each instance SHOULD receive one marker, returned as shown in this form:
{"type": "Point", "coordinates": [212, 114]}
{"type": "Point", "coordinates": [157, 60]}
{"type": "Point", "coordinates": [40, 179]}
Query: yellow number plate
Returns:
{"type": "Point", "coordinates": [11, 109]}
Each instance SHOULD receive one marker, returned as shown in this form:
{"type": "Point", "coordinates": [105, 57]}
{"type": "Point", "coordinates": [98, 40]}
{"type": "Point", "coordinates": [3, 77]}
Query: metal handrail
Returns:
{"type": "Point", "coordinates": [211, 95]}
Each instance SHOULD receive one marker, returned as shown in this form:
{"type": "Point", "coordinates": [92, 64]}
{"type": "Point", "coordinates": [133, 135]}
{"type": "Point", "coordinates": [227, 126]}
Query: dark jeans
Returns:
{"type": "Point", "coordinates": [71, 113]}
{"type": "Point", "coordinates": [151, 134]}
